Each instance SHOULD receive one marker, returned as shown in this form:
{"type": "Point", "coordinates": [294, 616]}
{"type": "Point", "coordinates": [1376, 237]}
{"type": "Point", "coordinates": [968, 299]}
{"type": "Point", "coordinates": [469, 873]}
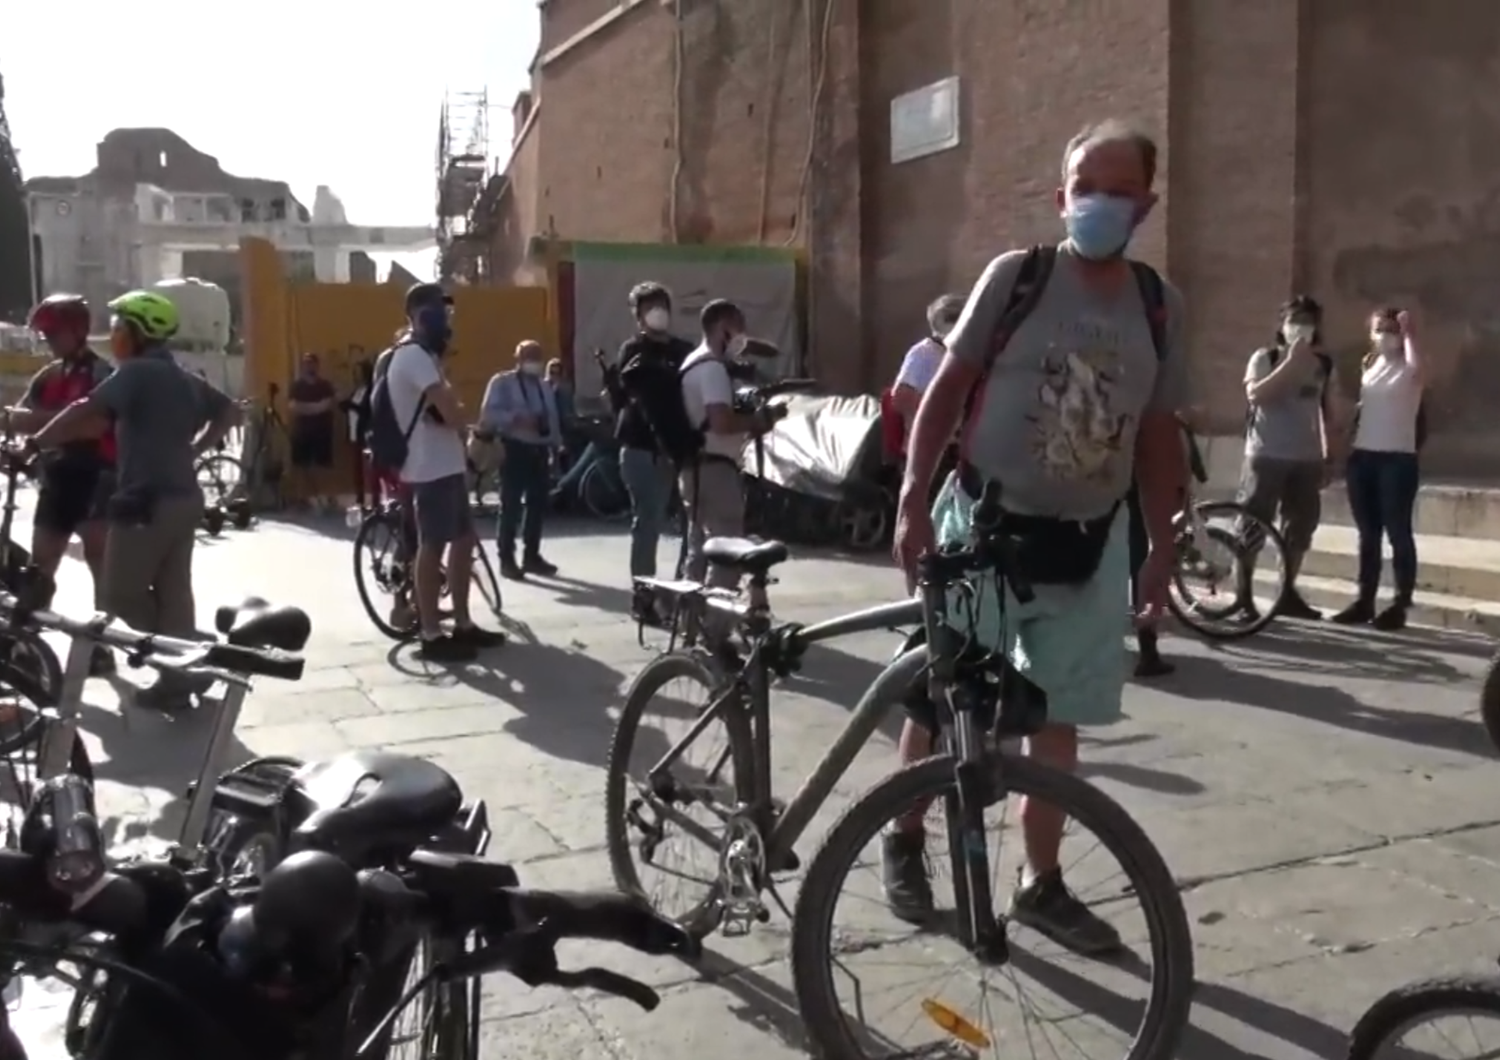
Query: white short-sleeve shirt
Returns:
{"type": "Point", "coordinates": [435, 450]}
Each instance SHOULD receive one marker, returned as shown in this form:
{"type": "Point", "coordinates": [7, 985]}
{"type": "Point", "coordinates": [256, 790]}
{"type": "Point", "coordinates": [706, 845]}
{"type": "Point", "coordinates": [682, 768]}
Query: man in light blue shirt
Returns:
{"type": "Point", "coordinates": [521, 408]}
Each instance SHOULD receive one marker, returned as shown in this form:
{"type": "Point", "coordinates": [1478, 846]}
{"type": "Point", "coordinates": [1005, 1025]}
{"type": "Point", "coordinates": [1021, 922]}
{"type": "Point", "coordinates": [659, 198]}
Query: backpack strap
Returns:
{"type": "Point", "coordinates": [1154, 296]}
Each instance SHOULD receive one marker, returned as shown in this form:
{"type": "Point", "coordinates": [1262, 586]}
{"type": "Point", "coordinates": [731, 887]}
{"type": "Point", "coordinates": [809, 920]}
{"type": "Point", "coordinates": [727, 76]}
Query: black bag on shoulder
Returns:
{"type": "Point", "coordinates": [1049, 550]}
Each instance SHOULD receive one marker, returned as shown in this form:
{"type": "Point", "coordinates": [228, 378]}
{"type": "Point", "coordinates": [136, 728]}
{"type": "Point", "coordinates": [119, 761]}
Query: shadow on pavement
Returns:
{"type": "Point", "coordinates": [1215, 678]}
{"type": "Point", "coordinates": [1413, 655]}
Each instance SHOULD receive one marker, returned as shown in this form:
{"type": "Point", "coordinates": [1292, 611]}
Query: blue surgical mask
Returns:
{"type": "Point", "coordinates": [1100, 226]}
{"type": "Point", "coordinates": [433, 328]}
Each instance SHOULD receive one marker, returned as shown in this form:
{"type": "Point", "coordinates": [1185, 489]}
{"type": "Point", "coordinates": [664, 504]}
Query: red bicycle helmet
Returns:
{"type": "Point", "coordinates": [61, 312]}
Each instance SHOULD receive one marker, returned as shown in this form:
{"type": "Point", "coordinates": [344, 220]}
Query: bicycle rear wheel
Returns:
{"type": "Point", "coordinates": [382, 574]}
{"type": "Point", "coordinates": [602, 493]}
{"type": "Point", "coordinates": [1223, 587]}
{"type": "Point", "coordinates": [30, 667]}
{"type": "Point", "coordinates": [219, 476]}
{"type": "Point", "coordinates": [840, 1035]}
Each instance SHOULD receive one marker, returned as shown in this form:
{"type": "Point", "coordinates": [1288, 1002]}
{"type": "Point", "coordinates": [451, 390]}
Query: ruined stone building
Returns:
{"type": "Point", "coordinates": [1347, 148]}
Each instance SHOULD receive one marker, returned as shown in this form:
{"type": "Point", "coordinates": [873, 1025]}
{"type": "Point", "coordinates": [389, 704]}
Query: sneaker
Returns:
{"type": "Point", "coordinates": [480, 638]}
{"type": "Point", "coordinates": [446, 648]}
{"type": "Point", "coordinates": [1356, 614]}
{"type": "Point", "coordinates": [537, 565]}
{"type": "Point", "coordinates": [1390, 620]}
{"type": "Point", "coordinates": [510, 572]}
{"type": "Point", "coordinates": [903, 870]}
{"type": "Point", "coordinates": [1295, 606]}
{"type": "Point", "coordinates": [1047, 906]}
{"type": "Point", "coordinates": [402, 616]}
{"type": "Point", "coordinates": [102, 664]}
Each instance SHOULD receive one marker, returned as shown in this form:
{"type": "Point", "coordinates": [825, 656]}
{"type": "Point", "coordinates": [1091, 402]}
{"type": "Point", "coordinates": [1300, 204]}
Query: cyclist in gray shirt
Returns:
{"type": "Point", "coordinates": [164, 418]}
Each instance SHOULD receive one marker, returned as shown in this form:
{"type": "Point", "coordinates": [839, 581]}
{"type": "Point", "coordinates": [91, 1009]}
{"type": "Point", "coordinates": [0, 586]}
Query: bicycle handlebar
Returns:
{"type": "Point", "coordinates": [156, 649]}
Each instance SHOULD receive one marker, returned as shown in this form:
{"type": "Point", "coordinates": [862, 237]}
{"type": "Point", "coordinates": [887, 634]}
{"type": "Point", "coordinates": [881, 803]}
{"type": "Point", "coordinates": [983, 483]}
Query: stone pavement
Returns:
{"type": "Point", "coordinates": [1326, 798]}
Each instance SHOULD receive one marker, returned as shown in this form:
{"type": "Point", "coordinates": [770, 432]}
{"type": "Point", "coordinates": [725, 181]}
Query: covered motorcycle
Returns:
{"type": "Point", "coordinates": [819, 477]}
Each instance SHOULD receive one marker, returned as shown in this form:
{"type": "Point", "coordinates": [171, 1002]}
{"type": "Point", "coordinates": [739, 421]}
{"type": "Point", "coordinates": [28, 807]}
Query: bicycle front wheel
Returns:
{"type": "Point", "coordinates": [602, 492]}
{"type": "Point", "coordinates": [484, 580]}
{"type": "Point", "coordinates": [914, 1023]}
{"type": "Point", "coordinates": [1230, 580]}
{"type": "Point", "coordinates": [219, 476]}
{"type": "Point", "coordinates": [1392, 1027]}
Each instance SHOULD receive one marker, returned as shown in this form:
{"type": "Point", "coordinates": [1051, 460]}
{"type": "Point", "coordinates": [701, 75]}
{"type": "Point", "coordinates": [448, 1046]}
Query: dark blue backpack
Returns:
{"type": "Point", "coordinates": [389, 440]}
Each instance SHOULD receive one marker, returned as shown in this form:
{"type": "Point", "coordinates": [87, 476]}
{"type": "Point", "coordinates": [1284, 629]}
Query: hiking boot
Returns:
{"type": "Point", "coordinates": [1296, 606]}
{"type": "Point", "coordinates": [510, 571]}
{"type": "Point", "coordinates": [1047, 906]}
{"type": "Point", "coordinates": [1392, 619]}
{"type": "Point", "coordinates": [1356, 614]}
{"type": "Point", "coordinates": [903, 871]}
{"type": "Point", "coordinates": [479, 638]}
{"type": "Point", "coordinates": [446, 649]}
{"type": "Point", "coordinates": [537, 565]}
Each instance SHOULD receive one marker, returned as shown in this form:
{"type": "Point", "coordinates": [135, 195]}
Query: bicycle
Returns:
{"type": "Point", "coordinates": [1383, 1030]}
{"type": "Point", "coordinates": [384, 549]}
{"type": "Point", "coordinates": [312, 960]}
{"type": "Point", "coordinates": [759, 832]}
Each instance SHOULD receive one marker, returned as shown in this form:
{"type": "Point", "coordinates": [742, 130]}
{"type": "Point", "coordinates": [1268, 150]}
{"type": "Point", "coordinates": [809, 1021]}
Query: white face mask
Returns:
{"type": "Point", "coordinates": [532, 367]}
{"type": "Point", "coordinates": [1389, 345]}
{"type": "Point", "coordinates": [1297, 333]}
{"type": "Point", "coordinates": [736, 346]}
{"type": "Point", "coordinates": [657, 319]}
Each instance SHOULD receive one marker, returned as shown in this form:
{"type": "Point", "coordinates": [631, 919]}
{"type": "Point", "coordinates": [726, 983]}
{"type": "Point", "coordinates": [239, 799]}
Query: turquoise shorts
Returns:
{"type": "Point", "coordinates": [1070, 640]}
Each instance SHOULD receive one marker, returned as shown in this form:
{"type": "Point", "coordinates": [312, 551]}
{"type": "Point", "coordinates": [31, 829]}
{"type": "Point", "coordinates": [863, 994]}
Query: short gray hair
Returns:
{"type": "Point", "coordinates": [1113, 131]}
{"type": "Point", "coordinates": [945, 309]}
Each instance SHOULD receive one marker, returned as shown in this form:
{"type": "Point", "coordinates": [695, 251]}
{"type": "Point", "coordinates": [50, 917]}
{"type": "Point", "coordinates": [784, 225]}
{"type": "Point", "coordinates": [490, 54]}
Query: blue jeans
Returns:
{"type": "Point", "coordinates": [648, 480]}
{"type": "Point", "coordinates": [1383, 500]}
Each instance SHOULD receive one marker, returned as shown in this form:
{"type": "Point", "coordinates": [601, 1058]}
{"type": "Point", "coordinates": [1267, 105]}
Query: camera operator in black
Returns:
{"type": "Point", "coordinates": [710, 480]}
{"type": "Point", "coordinates": [643, 382]}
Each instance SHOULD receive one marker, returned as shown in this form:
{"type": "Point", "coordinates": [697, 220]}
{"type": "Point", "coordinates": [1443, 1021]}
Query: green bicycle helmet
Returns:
{"type": "Point", "coordinates": [153, 314]}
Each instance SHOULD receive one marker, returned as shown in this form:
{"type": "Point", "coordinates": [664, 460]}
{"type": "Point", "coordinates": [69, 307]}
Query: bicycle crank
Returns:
{"type": "Point", "coordinates": [742, 865]}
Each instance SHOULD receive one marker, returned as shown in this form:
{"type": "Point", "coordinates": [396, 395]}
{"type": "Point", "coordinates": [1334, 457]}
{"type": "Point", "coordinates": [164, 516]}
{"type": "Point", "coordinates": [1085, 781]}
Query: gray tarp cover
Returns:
{"type": "Point", "coordinates": [823, 444]}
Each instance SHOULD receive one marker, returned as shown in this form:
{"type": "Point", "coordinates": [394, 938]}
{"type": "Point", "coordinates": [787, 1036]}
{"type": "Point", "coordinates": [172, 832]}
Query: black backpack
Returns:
{"type": "Point", "coordinates": [662, 404]}
{"type": "Point", "coordinates": [1273, 358]}
{"type": "Point", "coordinates": [389, 440]}
{"type": "Point", "coordinates": [1026, 295]}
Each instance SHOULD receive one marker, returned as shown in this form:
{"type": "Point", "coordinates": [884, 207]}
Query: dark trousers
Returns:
{"type": "Point", "coordinates": [523, 497]}
{"type": "Point", "coordinates": [1382, 500]}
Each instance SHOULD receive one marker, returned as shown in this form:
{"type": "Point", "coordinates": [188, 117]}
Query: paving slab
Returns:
{"type": "Point", "coordinates": [1325, 798]}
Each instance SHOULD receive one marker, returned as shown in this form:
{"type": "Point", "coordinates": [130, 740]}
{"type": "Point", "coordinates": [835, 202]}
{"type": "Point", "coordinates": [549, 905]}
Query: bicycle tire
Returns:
{"type": "Point", "coordinates": [1407, 1005]}
{"type": "Point", "coordinates": [602, 497]}
{"type": "Point", "coordinates": [699, 921]}
{"type": "Point", "coordinates": [1269, 535]}
{"type": "Point", "coordinates": [226, 473]}
{"type": "Point", "coordinates": [1489, 702]}
{"type": "Point", "coordinates": [482, 575]}
{"type": "Point", "coordinates": [380, 518]}
{"type": "Point", "coordinates": [1171, 940]}
{"type": "Point", "coordinates": [29, 734]}
{"type": "Point", "coordinates": [40, 683]}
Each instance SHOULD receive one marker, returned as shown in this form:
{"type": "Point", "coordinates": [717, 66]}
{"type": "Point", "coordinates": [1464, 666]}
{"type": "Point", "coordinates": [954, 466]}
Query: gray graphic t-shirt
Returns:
{"type": "Point", "coordinates": [1291, 426]}
{"type": "Point", "coordinates": [1063, 402]}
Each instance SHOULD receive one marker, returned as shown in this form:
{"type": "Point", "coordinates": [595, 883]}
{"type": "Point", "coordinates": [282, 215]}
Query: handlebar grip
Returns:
{"type": "Point", "coordinates": [258, 662]}
{"type": "Point", "coordinates": [606, 916]}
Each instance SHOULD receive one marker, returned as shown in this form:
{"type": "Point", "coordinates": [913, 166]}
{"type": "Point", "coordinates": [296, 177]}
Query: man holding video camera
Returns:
{"type": "Point", "coordinates": [710, 480]}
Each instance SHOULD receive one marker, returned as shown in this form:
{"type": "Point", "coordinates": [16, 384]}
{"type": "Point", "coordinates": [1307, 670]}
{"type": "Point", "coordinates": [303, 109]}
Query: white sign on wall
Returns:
{"type": "Point", "coordinates": [924, 121]}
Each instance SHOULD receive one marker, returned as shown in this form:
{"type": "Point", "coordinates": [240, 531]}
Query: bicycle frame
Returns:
{"type": "Point", "coordinates": [57, 742]}
{"type": "Point", "coordinates": [753, 689]}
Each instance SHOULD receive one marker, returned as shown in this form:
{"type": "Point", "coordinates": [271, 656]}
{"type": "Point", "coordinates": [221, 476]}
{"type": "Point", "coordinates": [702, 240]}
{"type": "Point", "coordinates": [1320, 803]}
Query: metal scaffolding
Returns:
{"type": "Point", "coordinates": [464, 167]}
{"type": "Point", "coordinates": [17, 249]}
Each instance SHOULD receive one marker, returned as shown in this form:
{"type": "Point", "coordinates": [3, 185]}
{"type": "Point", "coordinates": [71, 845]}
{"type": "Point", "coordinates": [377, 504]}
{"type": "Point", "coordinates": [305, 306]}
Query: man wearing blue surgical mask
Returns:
{"type": "Point", "coordinates": [1074, 355]}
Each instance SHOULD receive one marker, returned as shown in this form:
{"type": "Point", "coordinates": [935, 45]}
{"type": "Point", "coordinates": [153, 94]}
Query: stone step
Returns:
{"type": "Point", "coordinates": [1453, 566]}
{"type": "Point", "coordinates": [1450, 511]}
{"type": "Point", "coordinates": [1441, 610]}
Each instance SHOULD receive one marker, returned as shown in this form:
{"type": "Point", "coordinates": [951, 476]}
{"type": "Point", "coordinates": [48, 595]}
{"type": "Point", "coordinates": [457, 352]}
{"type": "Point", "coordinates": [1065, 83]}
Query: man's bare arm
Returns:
{"type": "Point", "coordinates": [81, 421]}
{"type": "Point", "coordinates": [937, 417]}
{"type": "Point", "coordinates": [1161, 475]}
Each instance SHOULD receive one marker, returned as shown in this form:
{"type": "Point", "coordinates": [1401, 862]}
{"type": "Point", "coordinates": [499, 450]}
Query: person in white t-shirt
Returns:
{"type": "Point", "coordinates": [921, 361]}
{"type": "Point", "coordinates": [434, 476]}
{"type": "Point", "coordinates": [710, 484]}
{"type": "Point", "coordinates": [1382, 473]}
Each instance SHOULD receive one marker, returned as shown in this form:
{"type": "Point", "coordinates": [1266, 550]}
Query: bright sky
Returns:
{"type": "Point", "coordinates": [306, 91]}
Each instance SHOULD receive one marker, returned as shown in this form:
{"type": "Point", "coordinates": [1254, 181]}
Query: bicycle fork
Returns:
{"type": "Point", "coordinates": [980, 930]}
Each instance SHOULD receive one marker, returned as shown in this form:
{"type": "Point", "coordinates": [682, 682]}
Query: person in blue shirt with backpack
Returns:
{"type": "Point", "coordinates": [1067, 370]}
{"type": "Point", "coordinates": [416, 425]}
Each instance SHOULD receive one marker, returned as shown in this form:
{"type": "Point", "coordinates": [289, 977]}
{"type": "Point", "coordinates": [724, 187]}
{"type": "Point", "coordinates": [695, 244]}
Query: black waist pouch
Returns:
{"type": "Point", "coordinates": [132, 507]}
{"type": "Point", "coordinates": [1048, 550]}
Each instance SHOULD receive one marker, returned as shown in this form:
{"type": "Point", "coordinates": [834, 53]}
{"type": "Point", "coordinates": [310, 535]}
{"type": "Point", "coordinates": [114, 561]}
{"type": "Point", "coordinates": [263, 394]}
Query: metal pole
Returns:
{"type": "Point", "coordinates": [31, 262]}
